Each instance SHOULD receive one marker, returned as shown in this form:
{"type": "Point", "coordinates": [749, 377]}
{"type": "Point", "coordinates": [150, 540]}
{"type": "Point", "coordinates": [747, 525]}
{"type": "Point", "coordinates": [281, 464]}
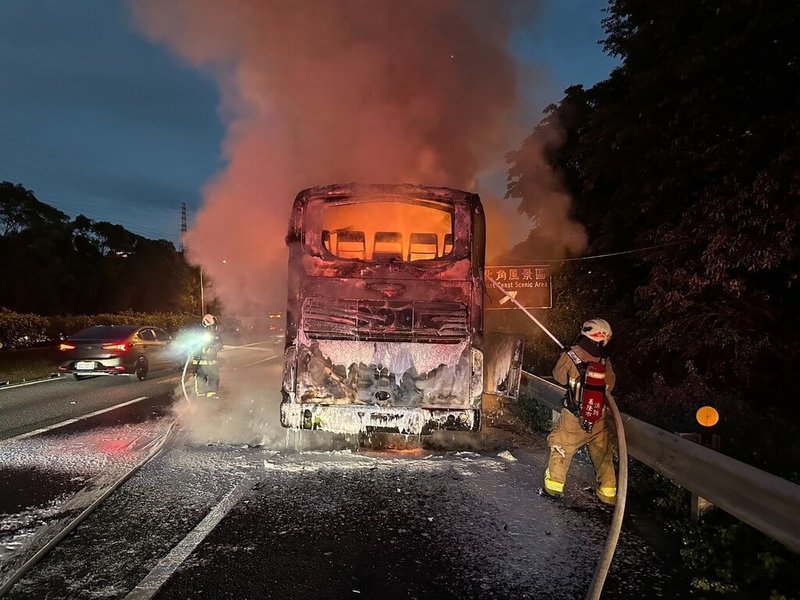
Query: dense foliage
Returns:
{"type": "Point", "coordinates": [692, 147]}
{"type": "Point", "coordinates": [21, 330]}
{"type": "Point", "coordinates": [51, 265]}
{"type": "Point", "coordinates": [689, 155]}
{"type": "Point", "coordinates": [723, 557]}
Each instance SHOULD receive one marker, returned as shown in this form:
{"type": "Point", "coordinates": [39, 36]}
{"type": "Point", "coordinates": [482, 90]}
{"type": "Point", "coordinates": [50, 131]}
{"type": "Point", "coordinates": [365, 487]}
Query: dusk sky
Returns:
{"type": "Point", "coordinates": [94, 119]}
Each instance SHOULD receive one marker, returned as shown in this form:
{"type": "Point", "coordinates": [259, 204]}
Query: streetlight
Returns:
{"type": "Point", "coordinates": [202, 290]}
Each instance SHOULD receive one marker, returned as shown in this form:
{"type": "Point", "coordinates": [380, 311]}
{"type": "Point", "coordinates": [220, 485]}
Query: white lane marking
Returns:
{"type": "Point", "coordinates": [250, 349]}
{"type": "Point", "coordinates": [22, 436]}
{"type": "Point", "coordinates": [230, 347]}
{"type": "Point", "coordinates": [16, 385]}
{"type": "Point", "coordinates": [149, 586]}
{"type": "Point", "coordinates": [261, 361]}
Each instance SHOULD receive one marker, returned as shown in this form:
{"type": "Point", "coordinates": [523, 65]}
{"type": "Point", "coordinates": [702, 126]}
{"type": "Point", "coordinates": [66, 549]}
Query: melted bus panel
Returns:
{"type": "Point", "coordinates": [384, 315]}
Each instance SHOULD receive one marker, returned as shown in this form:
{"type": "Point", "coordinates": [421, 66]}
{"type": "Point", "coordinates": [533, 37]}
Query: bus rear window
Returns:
{"type": "Point", "coordinates": [388, 230]}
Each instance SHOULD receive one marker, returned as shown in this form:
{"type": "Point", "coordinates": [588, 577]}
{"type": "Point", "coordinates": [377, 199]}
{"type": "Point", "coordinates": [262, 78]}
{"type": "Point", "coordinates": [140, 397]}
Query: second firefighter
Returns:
{"type": "Point", "coordinates": [206, 360]}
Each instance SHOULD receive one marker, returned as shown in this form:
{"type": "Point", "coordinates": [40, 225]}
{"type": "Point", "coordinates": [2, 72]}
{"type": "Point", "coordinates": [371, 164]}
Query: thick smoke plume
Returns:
{"type": "Point", "coordinates": [543, 198]}
{"type": "Point", "coordinates": [321, 91]}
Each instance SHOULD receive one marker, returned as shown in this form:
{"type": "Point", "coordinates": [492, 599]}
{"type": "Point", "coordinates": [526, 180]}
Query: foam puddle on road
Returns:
{"type": "Point", "coordinates": [50, 479]}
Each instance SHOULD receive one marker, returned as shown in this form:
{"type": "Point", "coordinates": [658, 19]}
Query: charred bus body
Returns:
{"type": "Point", "coordinates": [384, 318]}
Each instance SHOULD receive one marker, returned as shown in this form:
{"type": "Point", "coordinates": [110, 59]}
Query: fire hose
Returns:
{"type": "Point", "coordinates": [601, 571]}
{"type": "Point", "coordinates": [183, 379]}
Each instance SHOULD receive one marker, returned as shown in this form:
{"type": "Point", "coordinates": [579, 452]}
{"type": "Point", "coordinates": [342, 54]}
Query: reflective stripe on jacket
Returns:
{"type": "Point", "coordinates": [203, 361]}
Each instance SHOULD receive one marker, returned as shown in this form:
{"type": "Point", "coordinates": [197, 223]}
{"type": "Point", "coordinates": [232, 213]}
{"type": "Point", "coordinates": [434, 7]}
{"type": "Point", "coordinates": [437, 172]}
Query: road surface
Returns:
{"type": "Point", "coordinates": [31, 406]}
{"type": "Point", "coordinates": [237, 507]}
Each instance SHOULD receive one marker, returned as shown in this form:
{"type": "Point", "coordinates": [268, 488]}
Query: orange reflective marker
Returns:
{"type": "Point", "coordinates": [707, 416]}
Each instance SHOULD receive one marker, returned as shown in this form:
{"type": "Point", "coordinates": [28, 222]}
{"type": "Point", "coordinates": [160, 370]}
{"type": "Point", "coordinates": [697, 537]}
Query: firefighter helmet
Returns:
{"type": "Point", "coordinates": [597, 330]}
{"type": "Point", "coordinates": [209, 320]}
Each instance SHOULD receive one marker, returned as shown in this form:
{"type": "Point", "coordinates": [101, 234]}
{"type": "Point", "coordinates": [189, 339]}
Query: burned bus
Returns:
{"type": "Point", "coordinates": [384, 318]}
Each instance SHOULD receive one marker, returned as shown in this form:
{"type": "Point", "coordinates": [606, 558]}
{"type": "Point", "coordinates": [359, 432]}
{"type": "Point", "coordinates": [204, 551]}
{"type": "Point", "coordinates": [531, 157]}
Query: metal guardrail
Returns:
{"type": "Point", "coordinates": [764, 501]}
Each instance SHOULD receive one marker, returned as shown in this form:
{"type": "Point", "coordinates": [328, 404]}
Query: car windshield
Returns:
{"type": "Point", "coordinates": [105, 332]}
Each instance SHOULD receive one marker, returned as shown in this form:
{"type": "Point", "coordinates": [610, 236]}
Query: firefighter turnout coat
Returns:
{"type": "Point", "coordinates": [206, 367]}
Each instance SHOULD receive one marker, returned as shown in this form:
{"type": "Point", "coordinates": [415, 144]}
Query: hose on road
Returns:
{"type": "Point", "coordinates": [601, 571]}
{"type": "Point", "coordinates": [153, 448]}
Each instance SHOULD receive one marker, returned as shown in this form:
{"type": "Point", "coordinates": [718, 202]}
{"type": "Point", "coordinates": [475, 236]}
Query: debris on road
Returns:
{"type": "Point", "coordinates": [506, 455]}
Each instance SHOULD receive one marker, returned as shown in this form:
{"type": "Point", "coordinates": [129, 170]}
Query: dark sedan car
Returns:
{"type": "Point", "coordinates": [117, 350]}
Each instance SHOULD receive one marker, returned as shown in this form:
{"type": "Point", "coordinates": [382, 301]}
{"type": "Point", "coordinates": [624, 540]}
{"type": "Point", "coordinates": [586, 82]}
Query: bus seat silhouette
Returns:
{"type": "Point", "coordinates": [423, 246]}
{"type": "Point", "coordinates": [388, 245]}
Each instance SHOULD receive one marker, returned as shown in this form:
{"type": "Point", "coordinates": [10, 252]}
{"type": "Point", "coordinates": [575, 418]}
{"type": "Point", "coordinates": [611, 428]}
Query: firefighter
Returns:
{"type": "Point", "coordinates": [206, 360]}
{"type": "Point", "coordinates": [575, 429]}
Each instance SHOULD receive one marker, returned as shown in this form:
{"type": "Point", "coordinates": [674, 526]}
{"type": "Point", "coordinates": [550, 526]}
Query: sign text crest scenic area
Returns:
{"type": "Point", "coordinates": [530, 285]}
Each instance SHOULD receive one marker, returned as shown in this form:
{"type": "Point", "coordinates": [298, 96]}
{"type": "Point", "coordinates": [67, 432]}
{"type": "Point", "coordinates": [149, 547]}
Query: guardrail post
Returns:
{"type": "Point", "coordinates": [699, 505]}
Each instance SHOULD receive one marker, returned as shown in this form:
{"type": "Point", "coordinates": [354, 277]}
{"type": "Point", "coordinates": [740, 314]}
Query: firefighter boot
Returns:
{"type": "Point", "coordinates": [607, 495]}
{"type": "Point", "coordinates": [552, 487]}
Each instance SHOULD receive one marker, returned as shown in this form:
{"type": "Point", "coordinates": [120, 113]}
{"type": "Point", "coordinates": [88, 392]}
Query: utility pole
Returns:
{"type": "Point", "coordinates": [183, 224]}
{"type": "Point", "coordinates": [183, 233]}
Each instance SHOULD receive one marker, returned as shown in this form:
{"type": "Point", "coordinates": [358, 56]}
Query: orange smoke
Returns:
{"type": "Point", "coordinates": [552, 232]}
{"type": "Point", "coordinates": [324, 91]}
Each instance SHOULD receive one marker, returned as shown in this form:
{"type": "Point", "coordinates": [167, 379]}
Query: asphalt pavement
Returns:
{"type": "Point", "coordinates": [454, 524]}
{"type": "Point", "coordinates": [28, 407]}
{"type": "Point", "coordinates": [237, 507]}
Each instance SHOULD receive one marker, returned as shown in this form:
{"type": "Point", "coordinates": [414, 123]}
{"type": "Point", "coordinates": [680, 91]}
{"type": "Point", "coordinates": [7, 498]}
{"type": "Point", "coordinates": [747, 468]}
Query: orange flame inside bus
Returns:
{"type": "Point", "coordinates": [386, 230]}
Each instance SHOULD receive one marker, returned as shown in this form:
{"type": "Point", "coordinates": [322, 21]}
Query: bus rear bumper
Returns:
{"type": "Point", "coordinates": [366, 418]}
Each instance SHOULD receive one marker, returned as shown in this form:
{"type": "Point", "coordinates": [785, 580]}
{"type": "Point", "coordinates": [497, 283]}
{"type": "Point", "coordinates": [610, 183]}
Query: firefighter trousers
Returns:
{"type": "Point", "coordinates": [206, 380]}
{"type": "Point", "coordinates": [565, 440]}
